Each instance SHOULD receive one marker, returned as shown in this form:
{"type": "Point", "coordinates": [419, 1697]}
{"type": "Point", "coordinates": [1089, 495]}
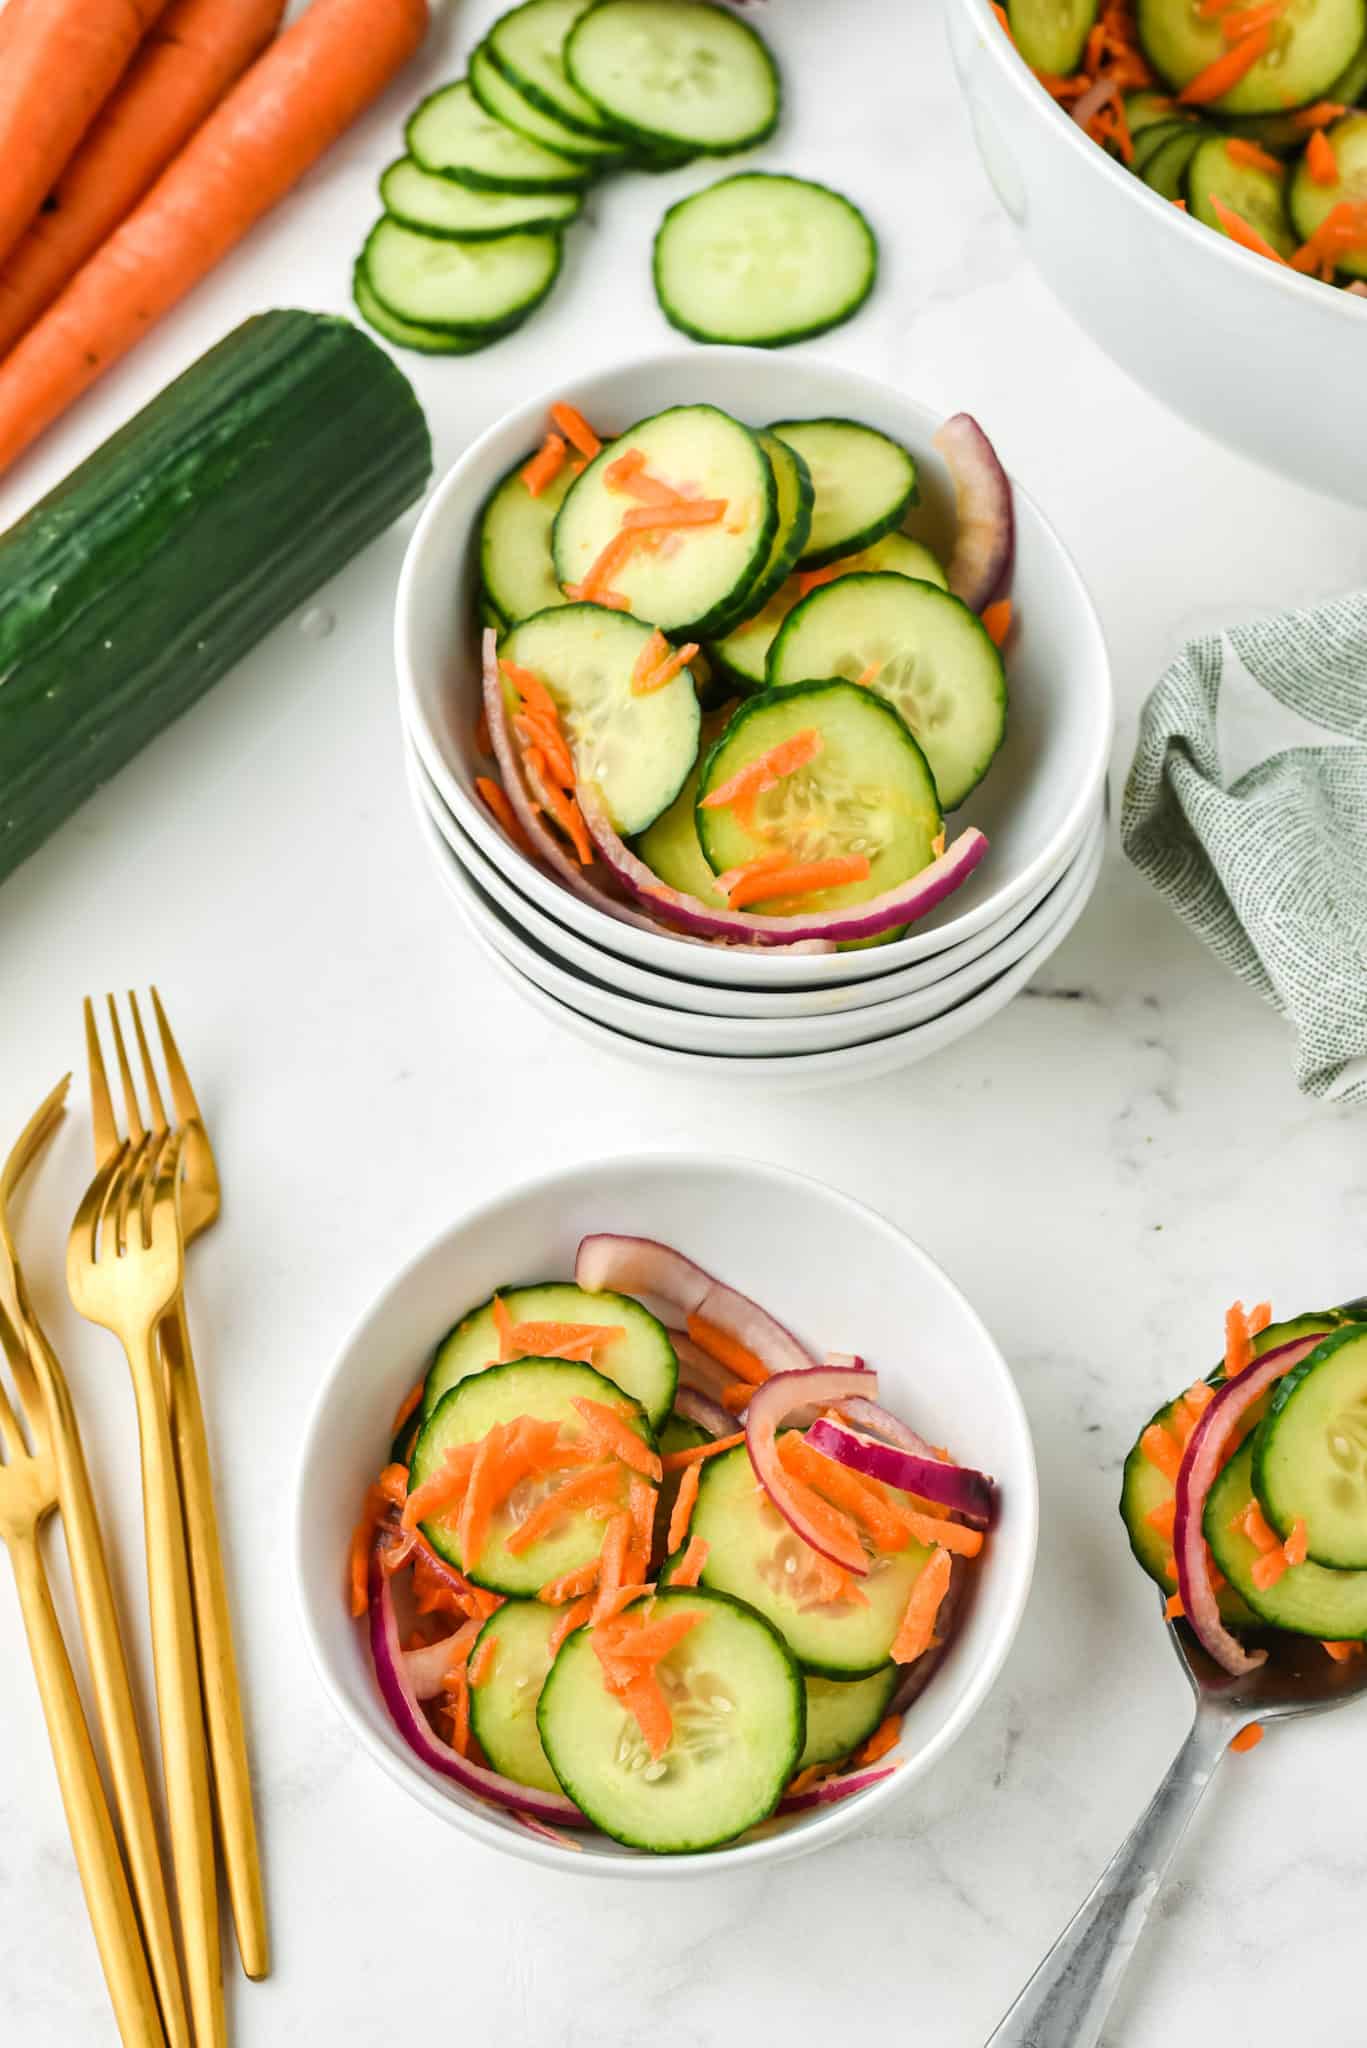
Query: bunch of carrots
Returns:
{"type": "Point", "coordinates": [142, 139]}
{"type": "Point", "coordinates": [1113, 64]}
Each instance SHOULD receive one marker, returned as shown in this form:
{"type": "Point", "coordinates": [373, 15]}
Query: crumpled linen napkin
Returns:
{"type": "Point", "coordinates": [1270, 868]}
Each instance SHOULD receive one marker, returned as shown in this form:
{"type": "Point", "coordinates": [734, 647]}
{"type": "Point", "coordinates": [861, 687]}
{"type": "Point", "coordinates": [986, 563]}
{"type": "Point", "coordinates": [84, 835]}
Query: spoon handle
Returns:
{"type": "Point", "coordinates": [1066, 2001]}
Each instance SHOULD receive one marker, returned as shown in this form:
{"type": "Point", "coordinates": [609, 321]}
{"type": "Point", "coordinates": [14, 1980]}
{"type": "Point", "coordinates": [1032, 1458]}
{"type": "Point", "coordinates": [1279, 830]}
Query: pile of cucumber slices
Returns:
{"type": "Point", "coordinates": [807, 614]}
{"type": "Point", "coordinates": [560, 92]}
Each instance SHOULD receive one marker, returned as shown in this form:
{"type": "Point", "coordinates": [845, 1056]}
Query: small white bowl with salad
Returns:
{"type": "Point", "coordinates": [629, 1543]}
{"type": "Point", "coordinates": [778, 682]}
{"type": "Point", "coordinates": [1180, 267]}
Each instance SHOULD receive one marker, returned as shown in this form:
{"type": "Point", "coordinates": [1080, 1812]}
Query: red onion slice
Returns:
{"type": "Point", "coordinates": [1095, 98]}
{"type": "Point", "coordinates": [1209, 1447]}
{"type": "Point", "coordinates": [969, 1493]}
{"type": "Point", "coordinates": [642, 1265]}
{"type": "Point", "coordinates": [425, 1669]}
{"type": "Point", "coordinates": [708, 1414]}
{"type": "Point", "coordinates": [985, 541]}
{"type": "Point", "coordinates": [830, 1790]}
{"type": "Point", "coordinates": [882, 1423]}
{"type": "Point", "coordinates": [425, 1744]}
{"type": "Point", "coordinates": [770, 1407]}
{"type": "Point", "coordinates": [906, 903]}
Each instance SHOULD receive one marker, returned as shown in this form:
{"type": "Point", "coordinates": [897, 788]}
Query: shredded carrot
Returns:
{"type": "Point", "coordinates": [1322, 115]}
{"type": "Point", "coordinates": [534, 732]}
{"type": "Point", "coordinates": [570, 1585]}
{"type": "Point", "coordinates": [594, 1486]}
{"type": "Point", "coordinates": [812, 579]}
{"type": "Point", "coordinates": [1161, 1449]}
{"type": "Point", "coordinates": [889, 1526]}
{"type": "Point", "coordinates": [684, 1503]}
{"type": "Point", "coordinates": [1238, 1340]}
{"type": "Point", "coordinates": [576, 429]}
{"type": "Point", "coordinates": [728, 1351]}
{"type": "Point", "coordinates": [611, 1605]}
{"type": "Point", "coordinates": [1296, 1547]}
{"type": "Point", "coordinates": [916, 1630]}
{"type": "Point", "coordinates": [611, 600]}
{"type": "Point", "coordinates": [1237, 26]}
{"type": "Point", "coordinates": [883, 1738]}
{"type": "Point", "coordinates": [612, 1562]}
{"type": "Point", "coordinates": [867, 677]}
{"type": "Point", "coordinates": [444, 1489]}
{"type": "Point", "coordinates": [837, 1532]}
{"type": "Point", "coordinates": [675, 1461]}
{"type": "Point", "coordinates": [666, 671]}
{"type": "Point", "coordinates": [458, 1711]}
{"type": "Point", "coordinates": [803, 878]}
{"type": "Point", "coordinates": [736, 1398]}
{"type": "Point", "coordinates": [814, 1773]}
{"type": "Point", "coordinates": [1163, 1518]}
{"type": "Point", "coordinates": [997, 620]}
{"type": "Point", "coordinates": [407, 1408]}
{"type": "Point", "coordinates": [767, 771]}
{"type": "Point", "coordinates": [482, 1496]}
{"type": "Point", "coordinates": [644, 1699]}
{"type": "Point", "coordinates": [1005, 21]}
{"type": "Point", "coordinates": [482, 1663]}
{"type": "Point", "coordinates": [1239, 230]}
{"type": "Point", "coordinates": [1209, 10]}
{"type": "Point", "coordinates": [1240, 151]}
{"type": "Point", "coordinates": [1173, 1609]}
{"type": "Point", "coordinates": [623, 467]}
{"type": "Point", "coordinates": [1343, 1652]}
{"type": "Point", "coordinates": [1225, 73]}
{"type": "Point", "coordinates": [937, 844]}
{"type": "Point", "coordinates": [1248, 1738]}
{"type": "Point", "coordinates": [952, 1536]}
{"type": "Point", "coordinates": [689, 1569]}
{"type": "Point", "coordinates": [641, 1501]}
{"type": "Point", "coordinates": [605, 1427]}
{"type": "Point", "coordinates": [664, 518]}
{"type": "Point", "coordinates": [545, 465]}
{"type": "Point", "coordinates": [1180, 204]}
{"type": "Point", "coordinates": [379, 1499]}
{"type": "Point", "coordinates": [613, 557]}
{"type": "Point", "coordinates": [646, 1642]}
{"type": "Point", "coordinates": [1343, 228]}
{"type": "Point", "coordinates": [503, 1324]}
{"type": "Point", "coordinates": [495, 801]}
{"type": "Point", "coordinates": [1254, 1525]}
{"type": "Point", "coordinates": [1266, 1570]}
{"type": "Point", "coordinates": [655, 650]}
{"type": "Point", "coordinates": [1320, 161]}
{"type": "Point", "coordinates": [573, 1617]}
{"type": "Point", "coordinates": [1170, 1567]}
{"type": "Point", "coordinates": [576, 1341]}
{"type": "Point", "coordinates": [565, 811]}
{"type": "Point", "coordinates": [628, 474]}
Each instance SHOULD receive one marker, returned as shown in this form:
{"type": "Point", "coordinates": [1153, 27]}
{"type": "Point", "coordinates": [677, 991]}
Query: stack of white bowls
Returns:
{"type": "Point", "coordinates": [747, 1013]}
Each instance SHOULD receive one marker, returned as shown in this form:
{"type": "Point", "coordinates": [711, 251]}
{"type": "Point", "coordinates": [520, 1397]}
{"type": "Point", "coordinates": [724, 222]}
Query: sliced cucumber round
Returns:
{"type": "Point", "coordinates": [636, 748]}
{"type": "Point", "coordinates": [794, 500]}
{"type": "Point", "coordinates": [544, 1389]}
{"type": "Point", "coordinates": [679, 1434]}
{"type": "Point", "coordinates": [642, 1362]}
{"type": "Point", "coordinates": [1051, 35]}
{"type": "Point", "coordinates": [1310, 1452]}
{"type": "Point", "coordinates": [675, 74]}
{"type": "Point", "coordinates": [450, 134]}
{"type": "Point", "coordinates": [702, 581]}
{"type": "Point", "coordinates": [439, 206]}
{"type": "Point", "coordinates": [528, 46]}
{"type": "Point", "coordinates": [428, 341]}
{"type": "Point", "coordinates": [868, 791]}
{"type": "Point", "coordinates": [1151, 139]}
{"type": "Point", "coordinates": [1165, 172]}
{"type": "Point", "coordinates": [515, 1644]}
{"type": "Point", "coordinates": [1307, 1600]}
{"type": "Point", "coordinates": [1257, 195]}
{"type": "Point", "coordinates": [755, 1556]}
{"type": "Point", "coordinates": [934, 661]}
{"type": "Point", "coordinates": [1310, 202]}
{"type": "Point", "coordinates": [1309, 47]}
{"type": "Point", "coordinates": [670, 847]}
{"type": "Point", "coordinates": [865, 484]}
{"type": "Point", "coordinates": [479, 289]}
{"type": "Point", "coordinates": [842, 1713]}
{"type": "Point", "coordinates": [743, 653]}
{"type": "Point", "coordinates": [503, 101]}
{"type": "Point", "coordinates": [515, 545]}
{"type": "Point", "coordinates": [739, 1722]}
{"type": "Point", "coordinates": [763, 259]}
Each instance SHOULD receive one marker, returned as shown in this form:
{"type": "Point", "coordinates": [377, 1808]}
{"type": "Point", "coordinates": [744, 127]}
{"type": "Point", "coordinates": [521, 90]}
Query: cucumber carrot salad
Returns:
{"type": "Point", "coordinates": [1250, 115]}
{"type": "Point", "coordinates": [1244, 1497]}
{"type": "Point", "coordinates": [727, 695]}
{"type": "Point", "coordinates": [660, 1579]}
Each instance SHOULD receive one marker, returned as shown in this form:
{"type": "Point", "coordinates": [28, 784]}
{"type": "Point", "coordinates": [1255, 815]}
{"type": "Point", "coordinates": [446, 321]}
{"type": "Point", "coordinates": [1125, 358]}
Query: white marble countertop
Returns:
{"type": "Point", "coordinates": [1102, 1168]}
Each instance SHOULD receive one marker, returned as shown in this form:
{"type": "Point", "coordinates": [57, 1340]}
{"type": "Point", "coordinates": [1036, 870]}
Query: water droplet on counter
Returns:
{"type": "Point", "coordinates": [317, 622]}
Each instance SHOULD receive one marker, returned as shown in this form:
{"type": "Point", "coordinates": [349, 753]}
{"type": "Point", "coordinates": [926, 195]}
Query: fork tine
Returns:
{"type": "Point", "coordinates": [132, 1187]}
{"type": "Point", "coordinates": [11, 1437]}
{"type": "Point", "coordinates": [158, 1108]}
{"type": "Point", "coordinates": [165, 1177]}
{"type": "Point", "coordinates": [107, 1140]}
{"type": "Point", "coordinates": [29, 1142]}
{"type": "Point", "coordinates": [137, 1130]}
{"type": "Point", "coordinates": [182, 1094]}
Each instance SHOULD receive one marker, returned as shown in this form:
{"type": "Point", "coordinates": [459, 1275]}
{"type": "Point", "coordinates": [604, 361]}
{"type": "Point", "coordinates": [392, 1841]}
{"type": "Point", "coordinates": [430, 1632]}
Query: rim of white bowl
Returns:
{"type": "Point", "coordinates": [712, 999]}
{"type": "Point", "coordinates": [820, 1828]}
{"type": "Point", "coordinates": [663, 949]}
{"type": "Point", "coordinates": [1278, 276]}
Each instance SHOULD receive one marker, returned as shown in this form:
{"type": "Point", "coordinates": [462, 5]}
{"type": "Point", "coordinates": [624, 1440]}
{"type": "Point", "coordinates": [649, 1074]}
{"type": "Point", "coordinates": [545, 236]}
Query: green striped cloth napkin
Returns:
{"type": "Point", "coordinates": [1269, 866]}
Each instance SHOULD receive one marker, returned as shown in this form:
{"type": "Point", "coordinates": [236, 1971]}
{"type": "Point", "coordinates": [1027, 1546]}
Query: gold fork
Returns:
{"type": "Point", "coordinates": [125, 1261]}
{"type": "Point", "coordinates": [200, 1205]}
{"type": "Point", "coordinates": [43, 1394]}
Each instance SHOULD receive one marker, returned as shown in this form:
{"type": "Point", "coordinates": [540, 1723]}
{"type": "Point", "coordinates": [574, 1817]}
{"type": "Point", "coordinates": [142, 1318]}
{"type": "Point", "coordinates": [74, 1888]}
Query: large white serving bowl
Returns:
{"type": "Point", "coordinates": [856, 1283]}
{"type": "Point", "coordinates": [707, 999]}
{"type": "Point", "coordinates": [751, 1037]}
{"type": "Point", "coordinates": [783, 1073]}
{"type": "Point", "coordinates": [1032, 804]}
{"type": "Point", "coordinates": [1174, 303]}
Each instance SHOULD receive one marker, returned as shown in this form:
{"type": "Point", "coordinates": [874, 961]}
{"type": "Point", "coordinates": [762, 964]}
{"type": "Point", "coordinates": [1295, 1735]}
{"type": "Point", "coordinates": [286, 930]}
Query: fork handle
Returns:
{"type": "Point", "coordinates": [217, 1657]}
{"type": "Point", "coordinates": [87, 1811]}
{"type": "Point", "coordinates": [1066, 2001]}
{"type": "Point", "coordinates": [183, 1749]}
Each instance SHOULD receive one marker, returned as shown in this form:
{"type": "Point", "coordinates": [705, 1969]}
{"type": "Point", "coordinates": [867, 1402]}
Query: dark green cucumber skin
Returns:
{"type": "Point", "coordinates": [1267, 1428]}
{"type": "Point", "coordinates": [156, 565]}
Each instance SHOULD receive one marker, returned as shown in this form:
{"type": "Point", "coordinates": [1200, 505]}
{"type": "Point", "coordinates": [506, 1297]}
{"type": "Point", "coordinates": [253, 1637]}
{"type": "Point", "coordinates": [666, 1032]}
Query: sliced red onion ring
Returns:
{"type": "Point", "coordinates": [425, 1669]}
{"type": "Point", "coordinates": [906, 903]}
{"type": "Point", "coordinates": [832, 1789]}
{"type": "Point", "coordinates": [881, 1422]}
{"type": "Point", "coordinates": [770, 1406]}
{"type": "Point", "coordinates": [969, 1493]}
{"type": "Point", "coordinates": [708, 1414]}
{"type": "Point", "coordinates": [985, 541]}
{"type": "Point", "coordinates": [1209, 1447]}
{"type": "Point", "coordinates": [1095, 98]}
{"type": "Point", "coordinates": [642, 1265]}
{"type": "Point", "coordinates": [425, 1744]}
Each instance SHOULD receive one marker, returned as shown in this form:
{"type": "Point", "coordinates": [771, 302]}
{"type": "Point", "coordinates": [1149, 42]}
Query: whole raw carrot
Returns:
{"type": "Point", "coordinates": [63, 58]}
{"type": "Point", "coordinates": [190, 58]}
{"type": "Point", "coordinates": [277, 121]}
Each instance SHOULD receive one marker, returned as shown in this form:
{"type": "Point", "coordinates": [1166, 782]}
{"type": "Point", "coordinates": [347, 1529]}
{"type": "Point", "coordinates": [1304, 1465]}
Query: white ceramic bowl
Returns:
{"type": "Point", "coordinates": [1032, 804]}
{"type": "Point", "coordinates": [706, 999]}
{"type": "Point", "coordinates": [1174, 303]}
{"type": "Point", "coordinates": [752, 1037]}
{"type": "Point", "coordinates": [795, 1073]}
{"type": "Point", "coordinates": [743, 1221]}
